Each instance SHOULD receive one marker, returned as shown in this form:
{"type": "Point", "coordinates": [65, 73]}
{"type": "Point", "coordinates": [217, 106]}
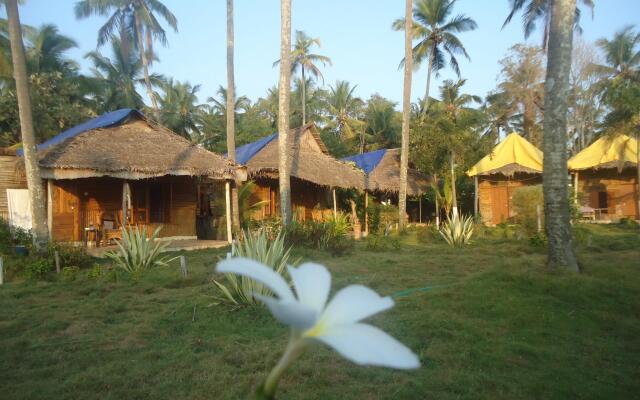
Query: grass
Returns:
{"type": "Point", "coordinates": [487, 320]}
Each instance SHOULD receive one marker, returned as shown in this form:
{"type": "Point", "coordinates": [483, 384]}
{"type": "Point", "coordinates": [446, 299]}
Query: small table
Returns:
{"type": "Point", "coordinates": [94, 232]}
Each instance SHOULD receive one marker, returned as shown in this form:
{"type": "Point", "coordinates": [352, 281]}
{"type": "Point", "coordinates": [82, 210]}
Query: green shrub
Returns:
{"type": "Point", "coordinates": [240, 290]}
{"type": "Point", "coordinates": [457, 230]}
{"type": "Point", "coordinates": [70, 273]}
{"type": "Point", "coordinates": [373, 215]}
{"type": "Point", "coordinates": [11, 237]}
{"type": "Point", "coordinates": [538, 239]}
{"type": "Point", "coordinates": [525, 201]}
{"type": "Point", "coordinates": [137, 254]}
{"type": "Point", "coordinates": [96, 272]}
{"type": "Point", "coordinates": [70, 255]}
{"type": "Point", "coordinates": [331, 235]}
{"type": "Point", "coordinates": [382, 243]}
{"type": "Point", "coordinates": [389, 216]}
{"type": "Point", "coordinates": [37, 268]}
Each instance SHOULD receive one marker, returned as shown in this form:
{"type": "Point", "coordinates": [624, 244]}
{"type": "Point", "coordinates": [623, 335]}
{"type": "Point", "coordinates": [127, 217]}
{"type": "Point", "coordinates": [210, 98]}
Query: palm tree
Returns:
{"type": "Point", "coordinates": [221, 103]}
{"type": "Point", "coordinates": [268, 106]}
{"type": "Point", "coordinates": [622, 54]}
{"type": "Point", "coordinates": [535, 10]}
{"type": "Point", "coordinates": [34, 182]}
{"type": "Point", "coordinates": [436, 37]}
{"type": "Point", "coordinates": [284, 89]}
{"type": "Point", "coordinates": [344, 110]}
{"type": "Point", "coordinates": [302, 59]}
{"type": "Point", "coordinates": [382, 126]}
{"type": "Point", "coordinates": [406, 113]}
{"type": "Point", "coordinates": [179, 110]}
{"type": "Point", "coordinates": [136, 22]}
{"type": "Point", "coordinates": [48, 49]}
{"type": "Point", "coordinates": [556, 95]}
{"type": "Point", "coordinates": [114, 80]}
{"type": "Point", "coordinates": [231, 117]}
{"type": "Point", "coordinates": [455, 102]}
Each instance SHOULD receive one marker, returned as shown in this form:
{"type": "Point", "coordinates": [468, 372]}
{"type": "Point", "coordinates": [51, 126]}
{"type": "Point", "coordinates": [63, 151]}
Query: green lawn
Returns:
{"type": "Point", "coordinates": [492, 323]}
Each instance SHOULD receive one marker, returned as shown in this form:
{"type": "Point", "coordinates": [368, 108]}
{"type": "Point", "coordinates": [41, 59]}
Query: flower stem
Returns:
{"type": "Point", "coordinates": [267, 390]}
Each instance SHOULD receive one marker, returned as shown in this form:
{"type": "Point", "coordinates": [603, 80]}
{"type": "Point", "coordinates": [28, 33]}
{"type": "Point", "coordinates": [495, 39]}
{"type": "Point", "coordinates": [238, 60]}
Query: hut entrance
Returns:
{"type": "Point", "coordinates": [500, 204]}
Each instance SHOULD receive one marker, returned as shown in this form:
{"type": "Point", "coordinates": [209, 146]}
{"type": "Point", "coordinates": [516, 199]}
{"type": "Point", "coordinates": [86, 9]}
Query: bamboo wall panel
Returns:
{"type": "Point", "coordinates": [11, 177]}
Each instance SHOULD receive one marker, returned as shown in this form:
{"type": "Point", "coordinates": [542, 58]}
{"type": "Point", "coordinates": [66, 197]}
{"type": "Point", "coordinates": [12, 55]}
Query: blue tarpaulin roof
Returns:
{"type": "Point", "coordinates": [367, 161]}
{"type": "Point", "coordinates": [103, 121]}
{"type": "Point", "coordinates": [246, 152]}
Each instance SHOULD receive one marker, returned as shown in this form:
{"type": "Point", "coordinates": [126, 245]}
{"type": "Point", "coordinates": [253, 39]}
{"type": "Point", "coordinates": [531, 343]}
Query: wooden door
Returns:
{"type": "Point", "coordinates": [499, 204]}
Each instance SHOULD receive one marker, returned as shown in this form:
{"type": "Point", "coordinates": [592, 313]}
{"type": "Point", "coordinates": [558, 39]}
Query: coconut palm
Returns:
{"type": "Point", "coordinates": [454, 102]}
{"type": "Point", "coordinates": [179, 110]}
{"type": "Point", "coordinates": [34, 182]}
{"type": "Point", "coordinates": [406, 113]}
{"type": "Point", "coordinates": [219, 105]}
{"type": "Point", "coordinates": [302, 59]}
{"type": "Point", "coordinates": [345, 111]}
{"type": "Point", "coordinates": [48, 49]}
{"type": "Point", "coordinates": [622, 54]}
{"type": "Point", "coordinates": [436, 35]}
{"type": "Point", "coordinates": [268, 106]}
{"type": "Point", "coordinates": [115, 79]}
{"type": "Point", "coordinates": [535, 10]}
{"type": "Point", "coordinates": [556, 103]}
{"type": "Point", "coordinates": [231, 117]}
{"type": "Point", "coordinates": [137, 23]}
{"type": "Point", "coordinates": [284, 91]}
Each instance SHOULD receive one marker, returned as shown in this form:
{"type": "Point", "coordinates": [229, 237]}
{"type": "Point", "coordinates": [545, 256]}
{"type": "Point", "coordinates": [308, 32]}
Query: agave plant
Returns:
{"type": "Point", "coordinates": [243, 291]}
{"type": "Point", "coordinates": [457, 230]}
{"type": "Point", "coordinates": [138, 253]}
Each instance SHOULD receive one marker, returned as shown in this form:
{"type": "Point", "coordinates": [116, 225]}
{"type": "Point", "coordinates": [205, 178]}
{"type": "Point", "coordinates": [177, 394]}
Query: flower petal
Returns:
{"type": "Point", "coordinates": [259, 272]}
{"type": "Point", "coordinates": [291, 313]}
{"type": "Point", "coordinates": [367, 345]}
{"type": "Point", "coordinates": [352, 304]}
{"type": "Point", "coordinates": [312, 283]}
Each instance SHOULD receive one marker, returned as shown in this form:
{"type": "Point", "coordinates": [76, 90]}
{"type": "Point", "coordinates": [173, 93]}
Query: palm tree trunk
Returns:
{"type": "Point", "coordinates": [145, 69]}
{"type": "Point", "coordinates": [304, 97]}
{"type": "Point", "coordinates": [34, 183]}
{"type": "Point", "coordinates": [426, 93]}
{"type": "Point", "coordinates": [556, 199]}
{"type": "Point", "coordinates": [406, 111]}
{"type": "Point", "coordinates": [231, 112]}
{"type": "Point", "coordinates": [283, 111]}
{"type": "Point", "coordinates": [454, 200]}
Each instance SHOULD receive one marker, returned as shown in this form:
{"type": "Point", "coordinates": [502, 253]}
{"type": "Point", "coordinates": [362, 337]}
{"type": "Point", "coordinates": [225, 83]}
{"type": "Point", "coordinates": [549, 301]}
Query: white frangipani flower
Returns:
{"type": "Point", "coordinates": [336, 324]}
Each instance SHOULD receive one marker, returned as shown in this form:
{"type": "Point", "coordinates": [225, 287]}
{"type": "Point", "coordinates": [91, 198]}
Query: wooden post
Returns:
{"type": "Point", "coordinates": [56, 257]}
{"type": "Point", "coordinates": [539, 217]}
{"type": "Point", "coordinates": [575, 189]}
{"type": "Point", "coordinates": [475, 196]}
{"type": "Point", "coordinates": [366, 212]}
{"type": "Point", "coordinates": [435, 178]}
{"type": "Point", "coordinates": [335, 206]}
{"type": "Point", "coordinates": [183, 266]}
{"type": "Point", "coordinates": [50, 207]}
{"type": "Point", "coordinates": [227, 192]}
{"type": "Point", "coordinates": [125, 202]}
{"type": "Point", "coordinates": [1, 270]}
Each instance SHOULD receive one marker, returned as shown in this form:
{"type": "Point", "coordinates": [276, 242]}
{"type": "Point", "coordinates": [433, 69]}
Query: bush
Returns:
{"type": "Point", "coordinates": [525, 202]}
{"type": "Point", "coordinates": [331, 235]}
{"type": "Point", "coordinates": [70, 273]}
{"type": "Point", "coordinates": [382, 243]}
{"type": "Point", "coordinates": [373, 215]}
{"type": "Point", "coordinates": [240, 290]}
{"type": "Point", "coordinates": [137, 253]}
{"type": "Point", "coordinates": [11, 237]}
{"type": "Point", "coordinates": [70, 256]}
{"type": "Point", "coordinates": [457, 230]}
{"type": "Point", "coordinates": [37, 268]}
{"type": "Point", "coordinates": [96, 272]}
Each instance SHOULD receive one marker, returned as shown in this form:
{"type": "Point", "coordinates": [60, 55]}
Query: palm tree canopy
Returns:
{"type": "Point", "coordinates": [436, 33]}
{"type": "Point", "coordinates": [622, 53]}
{"type": "Point", "coordinates": [301, 56]}
{"type": "Point", "coordinates": [535, 10]}
{"type": "Point", "coordinates": [219, 105]}
{"type": "Point", "coordinates": [48, 50]}
{"type": "Point", "coordinates": [179, 109]}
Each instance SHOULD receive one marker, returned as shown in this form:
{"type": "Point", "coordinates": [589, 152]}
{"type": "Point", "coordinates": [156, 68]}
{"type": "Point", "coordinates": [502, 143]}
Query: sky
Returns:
{"type": "Point", "coordinates": [355, 34]}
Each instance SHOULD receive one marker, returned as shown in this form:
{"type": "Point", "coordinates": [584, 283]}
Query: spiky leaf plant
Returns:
{"type": "Point", "coordinates": [239, 290]}
{"type": "Point", "coordinates": [138, 253]}
{"type": "Point", "coordinates": [457, 230]}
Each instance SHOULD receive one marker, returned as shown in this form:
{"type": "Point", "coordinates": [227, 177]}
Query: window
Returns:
{"type": "Point", "coordinates": [602, 200]}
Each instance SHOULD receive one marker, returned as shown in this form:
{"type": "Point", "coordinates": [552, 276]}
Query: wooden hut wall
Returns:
{"type": "Point", "coordinates": [614, 192]}
{"type": "Point", "coordinates": [11, 177]}
{"type": "Point", "coordinates": [308, 201]}
{"type": "Point", "coordinates": [168, 201]}
{"type": "Point", "coordinates": [495, 195]}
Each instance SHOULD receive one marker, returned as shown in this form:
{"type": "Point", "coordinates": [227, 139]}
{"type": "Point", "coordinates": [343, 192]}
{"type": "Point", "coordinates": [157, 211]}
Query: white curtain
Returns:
{"type": "Point", "coordinates": [19, 208]}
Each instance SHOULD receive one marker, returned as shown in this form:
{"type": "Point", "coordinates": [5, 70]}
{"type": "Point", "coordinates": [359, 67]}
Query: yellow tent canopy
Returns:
{"type": "Point", "coordinates": [607, 153]}
{"type": "Point", "coordinates": [513, 154]}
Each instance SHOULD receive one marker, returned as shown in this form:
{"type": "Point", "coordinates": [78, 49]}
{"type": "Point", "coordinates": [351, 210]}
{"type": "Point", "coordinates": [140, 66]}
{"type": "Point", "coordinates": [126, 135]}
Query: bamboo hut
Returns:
{"type": "Point", "coordinates": [382, 169]}
{"type": "Point", "coordinates": [122, 169]}
{"type": "Point", "coordinates": [315, 174]}
{"type": "Point", "coordinates": [606, 178]}
{"type": "Point", "coordinates": [512, 164]}
{"type": "Point", "coordinates": [11, 177]}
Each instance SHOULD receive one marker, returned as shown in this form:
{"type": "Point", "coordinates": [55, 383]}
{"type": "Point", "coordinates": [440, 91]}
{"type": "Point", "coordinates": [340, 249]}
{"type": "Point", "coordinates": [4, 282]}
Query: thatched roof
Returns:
{"type": "Point", "coordinates": [308, 157]}
{"type": "Point", "coordinates": [132, 148]}
{"type": "Point", "coordinates": [618, 152]}
{"type": "Point", "coordinates": [383, 172]}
